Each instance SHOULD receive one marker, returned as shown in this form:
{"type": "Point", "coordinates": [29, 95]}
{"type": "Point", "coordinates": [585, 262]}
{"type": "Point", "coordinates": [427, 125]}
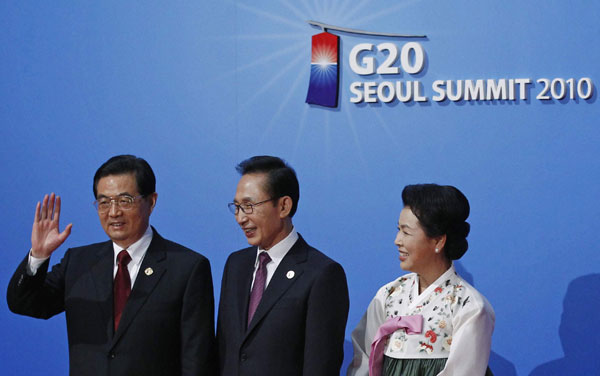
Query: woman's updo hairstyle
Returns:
{"type": "Point", "coordinates": [441, 209]}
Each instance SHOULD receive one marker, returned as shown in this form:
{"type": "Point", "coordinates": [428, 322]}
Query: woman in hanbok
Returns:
{"type": "Point", "coordinates": [431, 321]}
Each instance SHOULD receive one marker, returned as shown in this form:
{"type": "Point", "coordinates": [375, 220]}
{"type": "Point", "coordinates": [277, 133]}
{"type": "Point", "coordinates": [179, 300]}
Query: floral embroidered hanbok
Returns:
{"type": "Point", "coordinates": [457, 329]}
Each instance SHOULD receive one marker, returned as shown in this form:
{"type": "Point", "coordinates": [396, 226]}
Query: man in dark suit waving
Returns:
{"type": "Point", "coordinates": [284, 304]}
{"type": "Point", "coordinates": [135, 305]}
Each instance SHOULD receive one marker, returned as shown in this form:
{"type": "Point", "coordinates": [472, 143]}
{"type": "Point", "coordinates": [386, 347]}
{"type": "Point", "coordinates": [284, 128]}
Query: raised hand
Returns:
{"type": "Point", "coordinates": [45, 237]}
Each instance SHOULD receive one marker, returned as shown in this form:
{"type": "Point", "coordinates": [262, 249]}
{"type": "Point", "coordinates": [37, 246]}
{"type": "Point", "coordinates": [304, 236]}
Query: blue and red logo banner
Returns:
{"type": "Point", "coordinates": [324, 70]}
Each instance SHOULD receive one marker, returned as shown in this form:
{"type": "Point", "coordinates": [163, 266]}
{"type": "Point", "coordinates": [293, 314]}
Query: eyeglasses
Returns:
{"type": "Point", "coordinates": [123, 202]}
{"type": "Point", "coordinates": [246, 207]}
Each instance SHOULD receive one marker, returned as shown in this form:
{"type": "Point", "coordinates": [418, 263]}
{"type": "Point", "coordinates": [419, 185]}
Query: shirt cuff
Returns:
{"type": "Point", "coordinates": [34, 263]}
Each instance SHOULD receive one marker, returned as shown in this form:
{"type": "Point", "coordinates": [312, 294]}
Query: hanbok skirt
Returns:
{"type": "Point", "coordinates": [415, 367]}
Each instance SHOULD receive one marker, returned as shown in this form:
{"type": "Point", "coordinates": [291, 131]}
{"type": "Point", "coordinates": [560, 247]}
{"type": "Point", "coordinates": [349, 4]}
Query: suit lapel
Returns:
{"type": "Point", "coordinates": [244, 281]}
{"type": "Point", "coordinates": [152, 268]}
{"type": "Point", "coordinates": [102, 275]}
{"type": "Point", "coordinates": [281, 281]}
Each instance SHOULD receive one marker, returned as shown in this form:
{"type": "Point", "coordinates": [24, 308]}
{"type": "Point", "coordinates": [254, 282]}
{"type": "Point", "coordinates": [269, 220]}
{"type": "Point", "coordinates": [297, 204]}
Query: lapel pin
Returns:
{"type": "Point", "coordinates": [290, 274]}
{"type": "Point", "coordinates": [148, 271]}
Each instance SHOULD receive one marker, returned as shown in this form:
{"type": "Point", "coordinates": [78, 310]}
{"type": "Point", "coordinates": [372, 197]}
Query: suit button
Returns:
{"type": "Point", "coordinates": [111, 355]}
{"type": "Point", "coordinates": [244, 357]}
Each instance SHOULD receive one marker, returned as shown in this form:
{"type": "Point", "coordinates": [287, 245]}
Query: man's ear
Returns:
{"type": "Point", "coordinates": [152, 198]}
{"type": "Point", "coordinates": [285, 206]}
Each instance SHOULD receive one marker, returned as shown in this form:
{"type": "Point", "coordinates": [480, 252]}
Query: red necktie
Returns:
{"type": "Point", "coordinates": [259, 284]}
{"type": "Point", "coordinates": [121, 286]}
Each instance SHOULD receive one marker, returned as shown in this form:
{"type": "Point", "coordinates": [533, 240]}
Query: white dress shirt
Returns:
{"type": "Point", "coordinates": [277, 253]}
{"type": "Point", "coordinates": [137, 251]}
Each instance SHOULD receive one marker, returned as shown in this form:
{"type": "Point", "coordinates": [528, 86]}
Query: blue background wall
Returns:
{"type": "Point", "coordinates": [194, 87]}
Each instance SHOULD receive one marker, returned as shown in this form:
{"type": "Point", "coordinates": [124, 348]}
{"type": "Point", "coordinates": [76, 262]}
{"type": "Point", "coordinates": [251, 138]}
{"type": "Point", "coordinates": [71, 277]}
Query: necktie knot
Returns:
{"type": "Point", "coordinates": [263, 259]}
{"type": "Point", "coordinates": [123, 258]}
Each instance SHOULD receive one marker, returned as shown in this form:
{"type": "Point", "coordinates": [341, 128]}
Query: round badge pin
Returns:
{"type": "Point", "coordinates": [290, 274]}
{"type": "Point", "coordinates": [148, 271]}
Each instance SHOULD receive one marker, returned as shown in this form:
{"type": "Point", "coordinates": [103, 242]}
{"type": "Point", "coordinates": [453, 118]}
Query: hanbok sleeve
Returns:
{"type": "Point", "coordinates": [471, 341]}
{"type": "Point", "coordinates": [363, 334]}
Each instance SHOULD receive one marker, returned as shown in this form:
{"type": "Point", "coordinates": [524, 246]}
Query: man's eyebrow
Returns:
{"type": "Point", "coordinates": [403, 226]}
{"type": "Point", "coordinates": [244, 199]}
{"type": "Point", "coordinates": [119, 195]}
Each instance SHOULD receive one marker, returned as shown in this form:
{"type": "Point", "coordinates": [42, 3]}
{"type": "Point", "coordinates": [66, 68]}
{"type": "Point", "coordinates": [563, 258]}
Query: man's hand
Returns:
{"type": "Point", "coordinates": [45, 237]}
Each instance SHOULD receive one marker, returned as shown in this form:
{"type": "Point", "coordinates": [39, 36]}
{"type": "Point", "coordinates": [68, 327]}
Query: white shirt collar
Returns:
{"type": "Point", "coordinates": [137, 250]}
{"type": "Point", "coordinates": [279, 250]}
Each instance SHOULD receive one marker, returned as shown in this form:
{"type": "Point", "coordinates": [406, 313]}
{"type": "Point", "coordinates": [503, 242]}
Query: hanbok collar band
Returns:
{"type": "Point", "coordinates": [419, 298]}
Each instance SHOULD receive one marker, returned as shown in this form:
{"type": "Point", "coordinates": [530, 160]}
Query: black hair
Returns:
{"type": "Point", "coordinates": [441, 210]}
{"type": "Point", "coordinates": [128, 164]}
{"type": "Point", "coordinates": [281, 178]}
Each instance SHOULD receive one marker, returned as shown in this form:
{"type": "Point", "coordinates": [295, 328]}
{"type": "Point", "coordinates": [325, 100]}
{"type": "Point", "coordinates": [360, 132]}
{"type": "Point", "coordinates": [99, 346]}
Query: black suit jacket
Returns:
{"type": "Point", "coordinates": [167, 326]}
{"type": "Point", "coordinates": [299, 325]}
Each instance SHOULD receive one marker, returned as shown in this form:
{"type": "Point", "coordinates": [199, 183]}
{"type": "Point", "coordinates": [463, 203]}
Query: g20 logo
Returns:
{"type": "Point", "coordinates": [323, 87]}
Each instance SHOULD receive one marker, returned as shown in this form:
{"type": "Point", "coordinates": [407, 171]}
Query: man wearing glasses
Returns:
{"type": "Point", "coordinates": [284, 304]}
{"type": "Point", "coordinates": [135, 305]}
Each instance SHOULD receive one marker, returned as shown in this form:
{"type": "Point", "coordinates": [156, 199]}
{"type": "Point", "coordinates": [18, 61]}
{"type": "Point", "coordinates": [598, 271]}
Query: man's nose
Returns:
{"type": "Point", "coordinates": [114, 210]}
{"type": "Point", "coordinates": [241, 217]}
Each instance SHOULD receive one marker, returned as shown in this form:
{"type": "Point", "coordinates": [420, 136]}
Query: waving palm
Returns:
{"type": "Point", "coordinates": [45, 237]}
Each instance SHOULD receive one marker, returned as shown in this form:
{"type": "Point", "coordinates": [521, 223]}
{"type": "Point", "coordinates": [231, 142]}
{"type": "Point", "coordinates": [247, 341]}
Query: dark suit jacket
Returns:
{"type": "Point", "coordinates": [299, 325]}
{"type": "Point", "coordinates": [167, 326]}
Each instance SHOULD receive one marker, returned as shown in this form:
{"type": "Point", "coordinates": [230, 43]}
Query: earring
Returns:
{"type": "Point", "coordinates": [437, 250]}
